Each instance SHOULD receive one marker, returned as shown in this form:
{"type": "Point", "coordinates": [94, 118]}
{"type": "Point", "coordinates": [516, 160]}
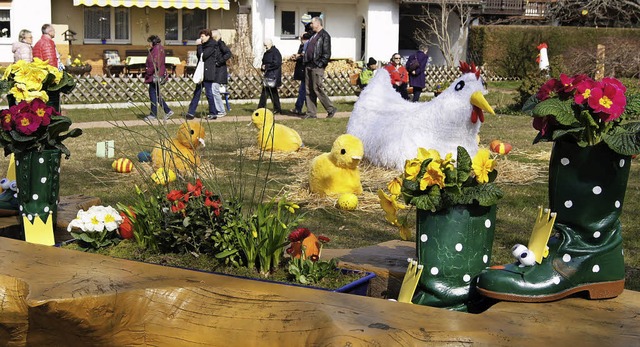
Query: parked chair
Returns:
{"type": "Point", "coordinates": [112, 65]}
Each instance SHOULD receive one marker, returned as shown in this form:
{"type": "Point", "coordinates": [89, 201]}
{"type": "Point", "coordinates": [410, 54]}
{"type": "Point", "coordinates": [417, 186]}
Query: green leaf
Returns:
{"type": "Point", "coordinates": [464, 164]}
{"type": "Point", "coordinates": [624, 139]}
{"type": "Point", "coordinates": [530, 104]}
{"type": "Point", "coordinates": [561, 110]}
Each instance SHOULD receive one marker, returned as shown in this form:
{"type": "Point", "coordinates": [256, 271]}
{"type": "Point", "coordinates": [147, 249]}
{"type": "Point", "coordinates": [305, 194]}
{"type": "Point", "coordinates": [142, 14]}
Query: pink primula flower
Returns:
{"type": "Point", "coordinates": [608, 101]}
{"type": "Point", "coordinates": [40, 109]}
{"type": "Point", "coordinates": [583, 91]}
{"type": "Point", "coordinates": [7, 120]}
{"type": "Point", "coordinates": [549, 89]}
{"type": "Point", "coordinates": [27, 122]}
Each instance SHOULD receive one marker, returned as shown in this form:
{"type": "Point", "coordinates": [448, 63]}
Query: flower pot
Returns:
{"type": "Point", "coordinates": [454, 245]}
{"type": "Point", "coordinates": [38, 181]}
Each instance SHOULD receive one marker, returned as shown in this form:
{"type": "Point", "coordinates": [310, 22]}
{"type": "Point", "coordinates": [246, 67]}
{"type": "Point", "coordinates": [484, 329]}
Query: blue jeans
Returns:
{"type": "Point", "coordinates": [196, 98]}
{"type": "Point", "coordinates": [302, 96]}
{"type": "Point", "coordinates": [155, 97]}
{"type": "Point", "coordinates": [215, 89]}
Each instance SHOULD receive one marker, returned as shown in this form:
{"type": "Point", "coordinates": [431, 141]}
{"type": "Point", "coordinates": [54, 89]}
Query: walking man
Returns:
{"type": "Point", "coordinates": [316, 58]}
{"type": "Point", "coordinates": [45, 48]}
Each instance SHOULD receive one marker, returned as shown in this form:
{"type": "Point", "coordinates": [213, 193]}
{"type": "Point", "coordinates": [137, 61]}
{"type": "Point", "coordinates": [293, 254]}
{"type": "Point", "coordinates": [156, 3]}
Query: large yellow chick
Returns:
{"type": "Point", "coordinates": [272, 136]}
{"type": "Point", "coordinates": [337, 172]}
{"type": "Point", "coordinates": [179, 153]}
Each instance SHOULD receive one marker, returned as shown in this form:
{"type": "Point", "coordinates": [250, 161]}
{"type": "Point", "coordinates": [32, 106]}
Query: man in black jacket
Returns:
{"type": "Point", "coordinates": [316, 58]}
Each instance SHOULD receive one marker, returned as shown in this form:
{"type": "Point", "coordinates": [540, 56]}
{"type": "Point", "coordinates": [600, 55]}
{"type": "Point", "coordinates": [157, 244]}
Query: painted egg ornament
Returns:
{"type": "Point", "coordinates": [348, 202]}
{"type": "Point", "coordinates": [122, 165]}
{"type": "Point", "coordinates": [144, 156]}
{"type": "Point", "coordinates": [497, 146]}
{"type": "Point", "coordinates": [126, 227]}
{"type": "Point", "coordinates": [163, 177]}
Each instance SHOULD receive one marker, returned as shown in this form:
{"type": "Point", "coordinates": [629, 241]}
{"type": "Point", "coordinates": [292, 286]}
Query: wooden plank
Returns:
{"type": "Point", "coordinates": [56, 296]}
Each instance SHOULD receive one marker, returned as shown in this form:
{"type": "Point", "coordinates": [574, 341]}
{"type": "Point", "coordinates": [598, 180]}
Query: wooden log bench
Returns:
{"type": "Point", "coordinates": [53, 296]}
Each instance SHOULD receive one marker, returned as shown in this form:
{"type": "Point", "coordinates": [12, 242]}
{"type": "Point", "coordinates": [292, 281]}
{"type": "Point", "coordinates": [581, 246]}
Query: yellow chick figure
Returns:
{"type": "Point", "coordinates": [337, 172]}
{"type": "Point", "coordinates": [179, 153]}
{"type": "Point", "coordinates": [272, 136]}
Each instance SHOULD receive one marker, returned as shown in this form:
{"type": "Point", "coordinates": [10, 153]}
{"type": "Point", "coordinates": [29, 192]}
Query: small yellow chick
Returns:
{"type": "Point", "coordinates": [337, 172]}
{"type": "Point", "coordinates": [179, 153]}
{"type": "Point", "coordinates": [272, 136]}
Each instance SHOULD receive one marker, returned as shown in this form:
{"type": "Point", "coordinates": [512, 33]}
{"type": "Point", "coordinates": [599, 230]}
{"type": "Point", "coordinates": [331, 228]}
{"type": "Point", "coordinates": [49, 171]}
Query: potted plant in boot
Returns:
{"type": "Point", "coordinates": [588, 173]}
{"type": "Point", "coordinates": [455, 202]}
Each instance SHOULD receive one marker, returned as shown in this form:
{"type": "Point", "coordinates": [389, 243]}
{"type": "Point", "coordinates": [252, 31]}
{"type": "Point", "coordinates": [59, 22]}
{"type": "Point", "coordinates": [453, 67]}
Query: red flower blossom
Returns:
{"type": "Point", "coordinates": [178, 206]}
{"type": "Point", "coordinates": [7, 120]}
{"type": "Point", "coordinates": [583, 91]}
{"type": "Point", "coordinates": [541, 124]}
{"type": "Point", "coordinates": [609, 102]}
{"type": "Point", "coordinates": [27, 122]}
{"type": "Point", "coordinates": [323, 239]}
{"type": "Point", "coordinates": [175, 195]}
{"type": "Point", "coordinates": [196, 189]}
{"type": "Point", "coordinates": [40, 109]}
{"type": "Point", "coordinates": [552, 86]}
{"type": "Point", "coordinates": [299, 234]}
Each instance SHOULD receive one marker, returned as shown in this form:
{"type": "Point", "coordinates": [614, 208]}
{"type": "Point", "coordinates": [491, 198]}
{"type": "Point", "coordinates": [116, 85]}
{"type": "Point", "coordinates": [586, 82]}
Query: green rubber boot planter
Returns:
{"type": "Point", "coordinates": [454, 245]}
{"type": "Point", "coordinates": [586, 189]}
{"type": "Point", "coordinates": [38, 180]}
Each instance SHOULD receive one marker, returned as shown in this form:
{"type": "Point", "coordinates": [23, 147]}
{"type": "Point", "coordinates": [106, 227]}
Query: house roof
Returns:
{"type": "Point", "coordinates": [203, 4]}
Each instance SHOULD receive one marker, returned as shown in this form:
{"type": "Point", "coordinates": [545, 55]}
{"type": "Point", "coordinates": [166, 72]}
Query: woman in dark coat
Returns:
{"type": "Point", "coordinates": [416, 65]}
{"type": "Point", "coordinates": [272, 67]}
{"type": "Point", "coordinates": [155, 67]}
{"type": "Point", "coordinates": [207, 49]}
{"type": "Point", "coordinates": [218, 75]}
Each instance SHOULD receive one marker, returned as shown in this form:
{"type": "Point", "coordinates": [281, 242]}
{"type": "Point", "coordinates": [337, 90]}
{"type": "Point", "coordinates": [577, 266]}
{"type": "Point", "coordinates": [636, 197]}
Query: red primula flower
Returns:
{"type": "Point", "coordinates": [175, 195]}
{"type": "Point", "coordinates": [40, 109]}
{"type": "Point", "coordinates": [196, 189]}
{"type": "Point", "coordinates": [551, 87]}
{"type": "Point", "coordinates": [27, 123]}
{"type": "Point", "coordinates": [583, 91]}
{"type": "Point", "coordinates": [7, 120]}
{"type": "Point", "coordinates": [214, 204]}
{"type": "Point", "coordinates": [299, 234]}
{"type": "Point", "coordinates": [609, 102]}
{"type": "Point", "coordinates": [614, 82]}
{"type": "Point", "coordinates": [541, 124]}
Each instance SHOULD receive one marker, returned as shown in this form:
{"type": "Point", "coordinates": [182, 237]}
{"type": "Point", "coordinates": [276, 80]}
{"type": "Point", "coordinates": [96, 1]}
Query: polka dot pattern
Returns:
{"type": "Point", "coordinates": [485, 258]}
{"type": "Point", "coordinates": [617, 204]}
{"type": "Point", "coordinates": [459, 247]}
{"type": "Point", "coordinates": [434, 270]}
{"type": "Point", "coordinates": [487, 223]}
{"type": "Point", "coordinates": [564, 161]}
{"type": "Point", "coordinates": [597, 190]}
{"type": "Point", "coordinates": [566, 258]}
{"type": "Point", "coordinates": [424, 237]}
{"type": "Point", "coordinates": [596, 234]}
{"type": "Point", "coordinates": [466, 278]}
{"type": "Point", "coordinates": [568, 204]}
{"type": "Point", "coordinates": [556, 280]}
{"type": "Point", "coordinates": [622, 162]}
{"type": "Point", "coordinates": [596, 268]}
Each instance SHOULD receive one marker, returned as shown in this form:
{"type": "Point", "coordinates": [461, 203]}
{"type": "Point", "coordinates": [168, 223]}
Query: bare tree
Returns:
{"type": "Point", "coordinates": [608, 13]}
{"type": "Point", "coordinates": [438, 24]}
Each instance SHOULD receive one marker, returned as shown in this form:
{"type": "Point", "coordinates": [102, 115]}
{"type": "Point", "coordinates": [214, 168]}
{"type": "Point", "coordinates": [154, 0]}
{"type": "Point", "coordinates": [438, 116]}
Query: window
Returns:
{"type": "Point", "coordinates": [108, 23]}
{"type": "Point", "coordinates": [288, 23]}
{"type": "Point", "coordinates": [183, 25]}
{"type": "Point", "coordinates": [5, 23]}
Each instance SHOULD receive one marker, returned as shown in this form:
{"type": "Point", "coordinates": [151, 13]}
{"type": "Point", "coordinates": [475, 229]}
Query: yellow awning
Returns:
{"type": "Point", "coordinates": [191, 4]}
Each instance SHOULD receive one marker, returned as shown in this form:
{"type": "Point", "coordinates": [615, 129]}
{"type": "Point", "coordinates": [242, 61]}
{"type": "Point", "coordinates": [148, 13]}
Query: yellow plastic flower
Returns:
{"type": "Point", "coordinates": [390, 206]}
{"type": "Point", "coordinates": [433, 176]}
{"type": "Point", "coordinates": [395, 186]}
{"type": "Point", "coordinates": [411, 169]}
{"type": "Point", "coordinates": [482, 165]}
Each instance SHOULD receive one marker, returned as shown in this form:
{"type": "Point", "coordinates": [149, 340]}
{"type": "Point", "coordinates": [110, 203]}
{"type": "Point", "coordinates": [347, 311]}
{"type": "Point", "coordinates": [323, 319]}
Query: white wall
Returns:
{"type": "Point", "coordinates": [25, 16]}
{"type": "Point", "coordinates": [382, 25]}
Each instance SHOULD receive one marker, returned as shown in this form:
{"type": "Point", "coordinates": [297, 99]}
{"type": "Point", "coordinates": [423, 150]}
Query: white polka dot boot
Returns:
{"type": "Point", "coordinates": [586, 190]}
{"type": "Point", "coordinates": [454, 246]}
{"type": "Point", "coordinates": [38, 183]}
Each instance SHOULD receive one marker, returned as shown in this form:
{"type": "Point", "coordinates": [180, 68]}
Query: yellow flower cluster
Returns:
{"type": "Point", "coordinates": [29, 78]}
{"type": "Point", "coordinates": [77, 61]}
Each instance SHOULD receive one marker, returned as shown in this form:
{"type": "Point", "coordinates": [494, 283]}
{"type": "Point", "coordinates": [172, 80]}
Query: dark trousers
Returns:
{"type": "Point", "coordinates": [416, 93]}
{"type": "Point", "coordinates": [196, 98]}
{"type": "Point", "coordinates": [275, 98]}
{"type": "Point", "coordinates": [302, 96]}
{"type": "Point", "coordinates": [155, 97]}
{"type": "Point", "coordinates": [402, 89]}
{"type": "Point", "coordinates": [314, 82]}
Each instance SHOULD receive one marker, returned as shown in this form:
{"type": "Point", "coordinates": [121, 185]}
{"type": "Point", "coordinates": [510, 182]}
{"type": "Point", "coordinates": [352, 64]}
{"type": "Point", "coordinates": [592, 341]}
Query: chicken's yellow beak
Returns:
{"type": "Point", "coordinates": [478, 100]}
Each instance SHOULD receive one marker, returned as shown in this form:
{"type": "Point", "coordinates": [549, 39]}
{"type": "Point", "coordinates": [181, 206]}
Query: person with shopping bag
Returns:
{"type": "Point", "coordinates": [206, 59]}
{"type": "Point", "coordinates": [272, 69]}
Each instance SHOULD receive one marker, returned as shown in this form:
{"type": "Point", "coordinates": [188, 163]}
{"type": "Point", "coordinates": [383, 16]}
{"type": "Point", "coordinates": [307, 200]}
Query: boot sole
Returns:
{"type": "Point", "coordinates": [601, 290]}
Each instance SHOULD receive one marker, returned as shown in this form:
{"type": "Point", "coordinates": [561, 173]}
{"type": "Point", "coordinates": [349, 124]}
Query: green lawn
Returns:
{"type": "Point", "coordinates": [523, 175]}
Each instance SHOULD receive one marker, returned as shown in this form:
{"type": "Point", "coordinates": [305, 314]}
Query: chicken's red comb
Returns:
{"type": "Point", "coordinates": [542, 45]}
{"type": "Point", "coordinates": [466, 68]}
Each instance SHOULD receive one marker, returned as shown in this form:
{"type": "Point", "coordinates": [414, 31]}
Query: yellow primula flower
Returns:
{"type": "Point", "coordinates": [424, 154]}
{"type": "Point", "coordinates": [482, 165]}
{"type": "Point", "coordinates": [19, 91]}
{"type": "Point", "coordinates": [447, 162]}
{"type": "Point", "coordinates": [390, 206]}
{"type": "Point", "coordinates": [405, 232]}
{"type": "Point", "coordinates": [433, 176]}
{"type": "Point", "coordinates": [411, 169]}
{"type": "Point", "coordinates": [37, 94]}
{"type": "Point", "coordinates": [31, 77]}
{"type": "Point", "coordinates": [395, 186]}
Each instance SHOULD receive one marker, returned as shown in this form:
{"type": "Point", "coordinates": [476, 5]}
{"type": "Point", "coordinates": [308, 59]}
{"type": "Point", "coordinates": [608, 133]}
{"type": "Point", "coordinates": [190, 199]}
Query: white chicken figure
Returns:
{"type": "Point", "coordinates": [392, 128]}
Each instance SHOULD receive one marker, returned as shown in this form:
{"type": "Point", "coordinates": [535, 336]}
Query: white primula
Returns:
{"type": "Point", "coordinates": [96, 219]}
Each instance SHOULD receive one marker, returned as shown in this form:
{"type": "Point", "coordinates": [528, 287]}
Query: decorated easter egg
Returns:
{"type": "Point", "coordinates": [126, 227]}
{"type": "Point", "coordinates": [163, 177]}
{"type": "Point", "coordinates": [144, 156]}
{"type": "Point", "coordinates": [122, 165]}
{"type": "Point", "coordinates": [499, 147]}
{"type": "Point", "coordinates": [348, 201]}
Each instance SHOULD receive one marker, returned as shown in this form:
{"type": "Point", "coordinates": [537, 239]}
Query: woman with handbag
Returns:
{"type": "Point", "coordinates": [154, 74]}
{"type": "Point", "coordinates": [206, 57]}
{"type": "Point", "coordinates": [272, 68]}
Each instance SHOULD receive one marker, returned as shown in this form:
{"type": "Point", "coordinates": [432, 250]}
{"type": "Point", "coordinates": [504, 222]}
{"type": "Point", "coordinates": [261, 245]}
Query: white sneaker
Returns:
{"type": "Point", "coordinates": [220, 115]}
{"type": "Point", "coordinates": [168, 115]}
{"type": "Point", "coordinates": [149, 118]}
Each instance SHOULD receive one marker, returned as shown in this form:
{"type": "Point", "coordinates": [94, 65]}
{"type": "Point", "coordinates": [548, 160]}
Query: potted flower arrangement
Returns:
{"type": "Point", "coordinates": [588, 172]}
{"type": "Point", "coordinates": [455, 202]}
{"type": "Point", "coordinates": [77, 67]}
{"type": "Point", "coordinates": [34, 131]}
{"type": "Point", "coordinates": [97, 226]}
